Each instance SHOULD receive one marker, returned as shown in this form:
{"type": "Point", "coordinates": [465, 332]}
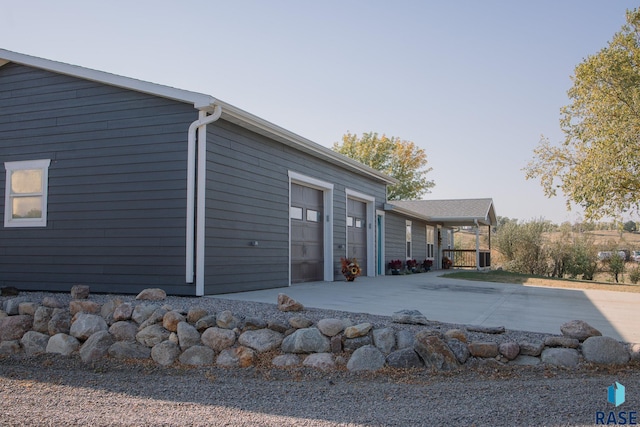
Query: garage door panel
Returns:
{"type": "Point", "coordinates": [357, 232]}
{"type": "Point", "coordinates": [307, 234]}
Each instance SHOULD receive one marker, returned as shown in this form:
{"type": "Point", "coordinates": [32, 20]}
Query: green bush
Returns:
{"type": "Point", "coordinates": [634, 275]}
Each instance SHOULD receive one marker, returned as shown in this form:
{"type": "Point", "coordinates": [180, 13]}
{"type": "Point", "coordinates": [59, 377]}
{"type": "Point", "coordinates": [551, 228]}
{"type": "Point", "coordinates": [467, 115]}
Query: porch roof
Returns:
{"type": "Point", "coordinates": [451, 212]}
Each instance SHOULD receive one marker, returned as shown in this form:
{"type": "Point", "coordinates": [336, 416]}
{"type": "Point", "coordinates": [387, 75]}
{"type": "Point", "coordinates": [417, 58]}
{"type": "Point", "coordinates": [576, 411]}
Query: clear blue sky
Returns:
{"type": "Point", "coordinates": [474, 83]}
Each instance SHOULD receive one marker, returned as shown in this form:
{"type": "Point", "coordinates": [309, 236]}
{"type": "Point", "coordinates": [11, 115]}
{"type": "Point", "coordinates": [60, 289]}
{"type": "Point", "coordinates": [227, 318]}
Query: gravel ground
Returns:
{"type": "Point", "coordinates": [55, 390]}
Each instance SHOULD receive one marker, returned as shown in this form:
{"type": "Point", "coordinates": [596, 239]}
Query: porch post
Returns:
{"type": "Point", "coordinates": [477, 245]}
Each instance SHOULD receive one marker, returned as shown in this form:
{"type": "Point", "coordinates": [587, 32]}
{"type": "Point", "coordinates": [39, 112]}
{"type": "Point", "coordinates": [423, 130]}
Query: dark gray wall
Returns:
{"type": "Point", "coordinates": [248, 200]}
{"type": "Point", "coordinates": [395, 238]}
{"type": "Point", "coordinates": [117, 184]}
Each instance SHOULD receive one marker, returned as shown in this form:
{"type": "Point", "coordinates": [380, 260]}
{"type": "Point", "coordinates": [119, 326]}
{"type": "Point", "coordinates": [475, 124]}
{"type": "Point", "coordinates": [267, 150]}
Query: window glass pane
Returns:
{"type": "Point", "coordinates": [349, 221]}
{"type": "Point", "coordinates": [26, 181]}
{"type": "Point", "coordinates": [27, 207]}
{"type": "Point", "coordinates": [358, 223]}
{"type": "Point", "coordinates": [296, 213]}
{"type": "Point", "coordinates": [312, 215]}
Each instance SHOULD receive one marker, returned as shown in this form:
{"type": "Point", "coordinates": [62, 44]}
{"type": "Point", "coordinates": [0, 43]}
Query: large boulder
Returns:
{"type": "Point", "coordinates": [60, 322]}
{"type": "Point", "coordinates": [34, 343]}
{"type": "Point", "coordinates": [171, 319]}
{"type": "Point", "coordinates": [86, 325]}
{"type": "Point", "coordinates": [152, 335]}
{"type": "Point", "coordinates": [306, 340]}
{"type": "Point", "coordinates": [565, 357]}
{"type": "Point", "coordinates": [321, 361]}
{"type": "Point", "coordinates": [165, 353]}
{"type": "Point", "coordinates": [261, 340]}
{"type": "Point", "coordinates": [367, 358]}
{"type": "Point", "coordinates": [435, 353]}
{"type": "Point", "coordinates": [404, 358]}
{"type": "Point", "coordinates": [188, 336]}
{"type": "Point", "coordinates": [226, 320]}
{"type": "Point", "coordinates": [14, 327]}
{"type": "Point", "coordinates": [579, 329]}
{"type": "Point", "coordinates": [384, 339]}
{"type": "Point", "coordinates": [129, 350]}
{"type": "Point", "coordinates": [286, 303]}
{"type": "Point", "coordinates": [485, 349]}
{"type": "Point", "coordinates": [331, 327]}
{"type": "Point", "coordinates": [197, 355]}
{"type": "Point", "coordinates": [124, 331]}
{"type": "Point", "coordinates": [152, 294]}
{"type": "Point", "coordinates": [412, 317]}
{"type": "Point", "coordinates": [62, 344]}
{"type": "Point", "coordinates": [218, 339]}
{"type": "Point", "coordinates": [122, 312]}
{"type": "Point", "coordinates": [605, 350]}
{"type": "Point", "coordinates": [96, 347]}
{"type": "Point", "coordinates": [41, 319]}
{"type": "Point", "coordinates": [238, 357]}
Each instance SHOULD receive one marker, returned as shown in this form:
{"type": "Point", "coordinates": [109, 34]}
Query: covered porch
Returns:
{"type": "Point", "coordinates": [457, 214]}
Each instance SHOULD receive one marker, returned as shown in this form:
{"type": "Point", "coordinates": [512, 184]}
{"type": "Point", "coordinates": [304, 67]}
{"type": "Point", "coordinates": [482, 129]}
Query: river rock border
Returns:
{"type": "Point", "coordinates": [147, 328]}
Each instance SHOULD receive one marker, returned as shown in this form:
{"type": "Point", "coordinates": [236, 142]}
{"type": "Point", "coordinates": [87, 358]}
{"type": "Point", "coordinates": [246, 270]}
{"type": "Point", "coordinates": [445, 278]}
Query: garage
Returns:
{"type": "Point", "coordinates": [307, 234]}
{"type": "Point", "coordinates": [357, 232]}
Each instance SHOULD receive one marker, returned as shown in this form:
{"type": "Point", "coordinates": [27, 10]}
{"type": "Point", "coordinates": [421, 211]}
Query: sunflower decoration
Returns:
{"type": "Point", "coordinates": [350, 268]}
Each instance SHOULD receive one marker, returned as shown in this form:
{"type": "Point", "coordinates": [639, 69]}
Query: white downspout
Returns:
{"type": "Point", "coordinates": [201, 126]}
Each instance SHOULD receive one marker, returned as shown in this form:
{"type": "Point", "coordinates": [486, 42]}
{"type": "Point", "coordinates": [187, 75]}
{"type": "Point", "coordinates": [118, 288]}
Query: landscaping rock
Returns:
{"type": "Point", "coordinates": [486, 329]}
{"type": "Point", "coordinates": [34, 343]}
{"type": "Point", "coordinates": [300, 322]}
{"type": "Point", "coordinates": [367, 358]}
{"type": "Point", "coordinates": [566, 357]}
{"type": "Point", "coordinates": [171, 319]}
{"type": "Point", "coordinates": [261, 340]}
{"type": "Point", "coordinates": [254, 323]}
{"type": "Point", "coordinates": [336, 344]}
{"type": "Point", "coordinates": [239, 357]}
{"type": "Point", "coordinates": [531, 348]}
{"type": "Point", "coordinates": [206, 322]}
{"type": "Point", "coordinates": [634, 351]}
{"type": "Point", "coordinates": [152, 335]}
{"type": "Point", "coordinates": [80, 292]}
{"type": "Point", "coordinates": [605, 350]}
{"type": "Point", "coordinates": [188, 336]}
{"type": "Point", "coordinates": [226, 320]}
{"type": "Point", "coordinates": [286, 303]}
{"type": "Point", "coordinates": [331, 327]}
{"type": "Point", "coordinates": [8, 348]}
{"type": "Point", "coordinates": [122, 312]}
{"type": "Point", "coordinates": [306, 340]}
{"type": "Point", "coordinates": [405, 358]}
{"type": "Point", "coordinates": [405, 339]}
{"type": "Point", "coordinates": [109, 308]}
{"type": "Point", "coordinates": [142, 312]}
{"type": "Point", "coordinates": [483, 349]}
{"type": "Point", "coordinates": [41, 319]}
{"type": "Point", "coordinates": [459, 349]}
{"type": "Point", "coordinates": [565, 342]}
{"type": "Point", "coordinates": [60, 322]}
{"type": "Point", "coordinates": [384, 339]}
{"type": "Point", "coordinates": [96, 347]}
{"type": "Point", "coordinates": [165, 353]}
{"type": "Point", "coordinates": [84, 306]}
{"type": "Point", "coordinates": [196, 313]}
{"type": "Point", "coordinates": [28, 308]}
{"type": "Point", "coordinates": [524, 360]}
{"type": "Point", "coordinates": [124, 331]}
{"type": "Point", "coordinates": [152, 295]}
{"type": "Point", "coordinates": [321, 361]}
{"type": "Point", "coordinates": [12, 306]}
{"type": "Point", "coordinates": [197, 355]}
{"type": "Point", "coordinates": [412, 317]}
{"type": "Point", "coordinates": [155, 317]}
{"type": "Point", "coordinates": [129, 350]}
{"type": "Point", "coordinates": [458, 334]}
{"type": "Point", "coordinates": [62, 344]}
{"type": "Point", "coordinates": [86, 325]}
{"type": "Point", "coordinates": [52, 302]}
{"type": "Point", "coordinates": [579, 329]}
{"type": "Point", "coordinates": [353, 344]}
{"type": "Point", "coordinates": [14, 327]}
{"type": "Point", "coordinates": [509, 349]}
{"type": "Point", "coordinates": [278, 326]}
{"type": "Point", "coordinates": [434, 352]}
{"type": "Point", "coordinates": [218, 339]}
{"type": "Point", "coordinates": [357, 331]}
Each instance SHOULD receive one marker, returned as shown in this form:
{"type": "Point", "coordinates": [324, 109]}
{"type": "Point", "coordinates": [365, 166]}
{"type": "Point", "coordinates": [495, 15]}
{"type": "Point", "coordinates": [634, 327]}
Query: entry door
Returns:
{"type": "Point", "coordinates": [357, 232]}
{"type": "Point", "coordinates": [307, 234]}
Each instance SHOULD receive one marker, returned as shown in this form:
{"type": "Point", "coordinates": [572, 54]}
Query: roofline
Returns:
{"type": "Point", "coordinates": [202, 102]}
{"type": "Point", "coordinates": [460, 220]}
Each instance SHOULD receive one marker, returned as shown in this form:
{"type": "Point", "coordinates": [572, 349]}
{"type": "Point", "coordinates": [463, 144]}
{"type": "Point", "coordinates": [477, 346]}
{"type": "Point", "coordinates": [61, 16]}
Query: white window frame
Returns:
{"type": "Point", "coordinates": [10, 167]}
{"type": "Point", "coordinates": [431, 241]}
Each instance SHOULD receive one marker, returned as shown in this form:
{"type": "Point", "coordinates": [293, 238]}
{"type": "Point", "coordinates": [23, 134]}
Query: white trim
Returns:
{"type": "Point", "coordinates": [369, 202]}
{"type": "Point", "coordinates": [10, 167]}
{"type": "Point", "coordinates": [380, 237]}
{"type": "Point", "coordinates": [327, 190]}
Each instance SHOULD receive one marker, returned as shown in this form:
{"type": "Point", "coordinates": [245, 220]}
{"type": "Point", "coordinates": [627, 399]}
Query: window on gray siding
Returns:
{"type": "Point", "coordinates": [408, 224]}
{"type": "Point", "coordinates": [296, 213]}
{"type": "Point", "coordinates": [26, 193]}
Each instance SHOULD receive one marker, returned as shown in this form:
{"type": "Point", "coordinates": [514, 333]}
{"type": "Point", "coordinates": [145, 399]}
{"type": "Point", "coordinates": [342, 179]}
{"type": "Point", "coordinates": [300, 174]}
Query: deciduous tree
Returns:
{"type": "Point", "coordinates": [598, 165]}
{"type": "Point", "coordinates": [401, 159]}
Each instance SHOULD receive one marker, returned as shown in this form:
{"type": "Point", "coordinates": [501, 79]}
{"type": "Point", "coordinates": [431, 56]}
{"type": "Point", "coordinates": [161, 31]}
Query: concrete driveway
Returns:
{"type": "Point", "coordinates": [516, 307]}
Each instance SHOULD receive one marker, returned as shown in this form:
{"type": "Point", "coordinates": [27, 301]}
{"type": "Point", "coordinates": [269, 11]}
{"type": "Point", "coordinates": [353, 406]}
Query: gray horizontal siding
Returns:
{"type": "Point", "coordinates": [248, 200]}
{"type": "Point", "coordinates": [117, 184]}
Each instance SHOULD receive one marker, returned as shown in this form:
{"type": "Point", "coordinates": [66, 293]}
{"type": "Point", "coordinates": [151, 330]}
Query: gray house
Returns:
{"type": "Point", "coordinates": [122, 184]}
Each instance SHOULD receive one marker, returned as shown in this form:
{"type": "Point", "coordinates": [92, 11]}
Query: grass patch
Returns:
{"type": "Point", "coordinates": [498, 276]}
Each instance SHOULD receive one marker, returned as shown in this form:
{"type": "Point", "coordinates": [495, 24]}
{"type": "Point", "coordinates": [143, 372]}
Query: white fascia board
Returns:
{"type": "Point", "coordinates": [261, 126]}
{"type": "Point", "coordinates": [200, 101]}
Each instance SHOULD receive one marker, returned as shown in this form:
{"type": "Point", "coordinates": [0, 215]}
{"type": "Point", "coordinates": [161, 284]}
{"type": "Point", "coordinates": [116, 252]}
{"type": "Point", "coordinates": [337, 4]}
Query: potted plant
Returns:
{"type": "Point", "coordinates": [395, 265]}
{"type": "Point", "coordinates": [446, 263]}
{"type": "Point", "coordinates": [412, 265]}
{"type": "Point", "coordinates": [427, 264]}
{"type": "Point", "coordinates": [350, 268]}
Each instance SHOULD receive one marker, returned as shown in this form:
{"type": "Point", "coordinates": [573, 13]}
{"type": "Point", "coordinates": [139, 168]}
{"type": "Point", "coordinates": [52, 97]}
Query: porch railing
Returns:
{"type": "Point", "coordinates": [462, 258]}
